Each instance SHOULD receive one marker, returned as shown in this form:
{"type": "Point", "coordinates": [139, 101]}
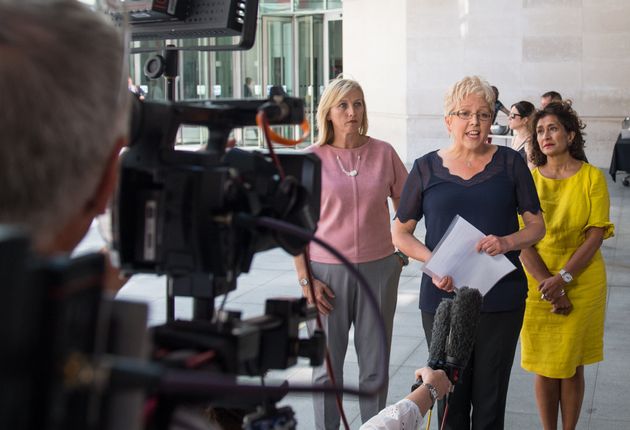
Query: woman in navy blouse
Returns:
{"type": "Point", "coordinates": [488, 186]}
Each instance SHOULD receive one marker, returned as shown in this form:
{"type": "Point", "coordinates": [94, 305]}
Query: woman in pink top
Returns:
{"type": "Point", "coordinates": [359, 174]}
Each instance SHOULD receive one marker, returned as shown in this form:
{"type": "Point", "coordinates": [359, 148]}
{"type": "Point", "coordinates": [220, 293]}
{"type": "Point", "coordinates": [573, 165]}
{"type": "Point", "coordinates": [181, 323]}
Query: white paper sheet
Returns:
{"type": "Point", "coordinates": [455, 255]}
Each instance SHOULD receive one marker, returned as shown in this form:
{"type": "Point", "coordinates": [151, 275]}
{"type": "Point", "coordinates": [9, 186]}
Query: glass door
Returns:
{"type": "Point", "coordinates": [278, 54]}
{"type": "Point", "coordinates": [333, 45]}
{"type": "Point", "coordinates": [278, 57]}
{"type": "Point", "coordinates": [310, 61]}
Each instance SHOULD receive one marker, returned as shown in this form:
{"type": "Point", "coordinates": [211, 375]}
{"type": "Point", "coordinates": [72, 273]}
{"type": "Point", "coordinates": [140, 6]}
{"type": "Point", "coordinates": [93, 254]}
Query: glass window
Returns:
{"type": "Point", "coordinates": [335, 49]}
{"type": "Point", "coordinates": [194, 77]}
{"type": "Point", "coordinates": [334, 4]}
{"type": "Point", "coordinates": [309, 64]}
{"type": "Point", "coordinates": [274, 6]}
{"type": "Point", "coordinates": [308, 5]}
{"type": "Point", "coordinates": [223, 87]}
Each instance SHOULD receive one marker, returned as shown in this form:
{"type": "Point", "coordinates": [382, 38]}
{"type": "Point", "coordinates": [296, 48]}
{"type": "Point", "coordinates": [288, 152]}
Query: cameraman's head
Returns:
{"type": "Point", "coordinates": [64, 117]}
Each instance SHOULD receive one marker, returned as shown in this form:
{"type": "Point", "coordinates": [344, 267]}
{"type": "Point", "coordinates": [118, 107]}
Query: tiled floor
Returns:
{"type": "Point", "coordinates": [606, 403]}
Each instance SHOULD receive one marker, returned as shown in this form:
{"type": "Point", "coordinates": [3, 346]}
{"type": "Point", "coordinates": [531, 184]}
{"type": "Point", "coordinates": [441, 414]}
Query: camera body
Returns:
{"type": "Point", "coordinates": [176, 211]}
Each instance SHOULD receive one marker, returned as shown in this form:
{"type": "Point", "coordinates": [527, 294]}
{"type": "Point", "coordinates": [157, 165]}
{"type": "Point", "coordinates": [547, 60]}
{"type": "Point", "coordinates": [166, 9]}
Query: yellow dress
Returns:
{"type": "Point", "coordinates": [554, 345]}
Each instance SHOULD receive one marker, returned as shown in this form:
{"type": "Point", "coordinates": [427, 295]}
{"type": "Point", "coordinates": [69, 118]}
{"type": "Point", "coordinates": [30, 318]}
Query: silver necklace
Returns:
{"type": "Point", "coordinates": [352, 173]}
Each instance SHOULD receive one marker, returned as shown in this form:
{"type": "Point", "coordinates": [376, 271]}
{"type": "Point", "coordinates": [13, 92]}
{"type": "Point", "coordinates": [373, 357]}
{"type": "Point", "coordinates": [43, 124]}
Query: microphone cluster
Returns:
{"type": "Point", "coordinates": [453, 333]}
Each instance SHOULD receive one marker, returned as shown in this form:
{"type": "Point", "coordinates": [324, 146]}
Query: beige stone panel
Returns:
{"type": "Point", "coordinates": [444, 48]}
{"type": "Point", "coordinates": [427, 127]}
{"type": "Point", "coordinates": [551, 4]}
{"type": "Point", "coordinates": [610, 102]}
{"type": "Point", "coordinates": [552, 21]}
{"type": "Point", "coordinates": [429, 23]}
{"type": "Point", "coordinates": [378, 65]}
{"type": "Point", "coordinates": [392, 129]}
{"type": "Point", "coordinates": [601, 134]}
{"type": "Point", "coordinates": [566, 78]}
{"type": "Point", "coordinates": [606, 16]}
{"type": "Point", "coordinates": [606, 47]}
{"type": "Point", "coordinates": [552, 48]}
{"type": "Point", "coordinates": [436, 75]}
{"type": "Point", "coordinates": [426, 101]}
{"type": "Point", "coordinates": [496, 23]}
{"type": "Point", "coordinates": [493, 49]}
{"type": "Point", "coordinates": [613, 76]}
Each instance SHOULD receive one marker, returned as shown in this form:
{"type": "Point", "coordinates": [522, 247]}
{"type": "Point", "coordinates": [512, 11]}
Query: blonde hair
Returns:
{"type": "Point", "coordinates": [465, 87]}
{"type": "Point", "coordinates": [335, 91]}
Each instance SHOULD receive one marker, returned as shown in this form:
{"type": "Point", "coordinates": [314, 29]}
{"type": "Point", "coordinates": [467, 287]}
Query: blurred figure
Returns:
{"type": "Point", "coordinates": [59, 171]}
{"type": "Point", "coordinates": [359, 175]}
{"type": "Point", "coordinates": [563, 328]}
{"type": "Point", "coordinates": [519, 121]}
{"type": "Point", "coordinates": [135, 89]}
{"type": "Point", "coordinates": [487, 185]}
{"type": "Point", "coordinates": [548, 97]}
{"type": "Point", "coordinates": [498, 106]}
{"type": "Point", "coordinates": [247, 88]}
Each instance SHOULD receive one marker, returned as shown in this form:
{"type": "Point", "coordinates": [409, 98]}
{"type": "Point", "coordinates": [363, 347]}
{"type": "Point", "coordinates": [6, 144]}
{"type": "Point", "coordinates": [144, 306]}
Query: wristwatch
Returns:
{"type": "Point", "coordinates": [303, 282]}
{"type": "Point", "coordinates": [566, 276]}
{"type": "Point", "coordinates": [403, 257]}
{"type": "Point", "coordinates": [433, 392]}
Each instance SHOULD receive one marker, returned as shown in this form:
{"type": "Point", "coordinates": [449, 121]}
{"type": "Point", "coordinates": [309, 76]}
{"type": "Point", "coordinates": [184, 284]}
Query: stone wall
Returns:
{"type": "Point", "coordinates": [406, 53]}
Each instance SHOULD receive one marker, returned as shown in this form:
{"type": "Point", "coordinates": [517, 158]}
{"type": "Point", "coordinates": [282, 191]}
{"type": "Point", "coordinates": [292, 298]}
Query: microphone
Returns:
{"type": "Point", "coordinates": [439, 336]}
{"type": "Point", "coordinates": [453, 333]}
{"type": "Point", "coordinates": [465, 313]}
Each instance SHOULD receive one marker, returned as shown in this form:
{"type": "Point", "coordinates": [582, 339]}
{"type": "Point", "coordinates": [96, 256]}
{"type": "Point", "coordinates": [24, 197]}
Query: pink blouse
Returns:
{"type": "Point", "coordinates": [354, 215]}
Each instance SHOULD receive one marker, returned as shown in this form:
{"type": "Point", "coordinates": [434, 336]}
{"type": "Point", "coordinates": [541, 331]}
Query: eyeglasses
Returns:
{"type": "Point", "coordinates": [467, 115]}
{"type": "Point", "coordinates": [514, 115]}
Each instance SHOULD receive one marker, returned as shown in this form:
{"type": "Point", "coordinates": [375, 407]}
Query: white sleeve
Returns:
{"type": "Point", "coordinates": [402, 415]}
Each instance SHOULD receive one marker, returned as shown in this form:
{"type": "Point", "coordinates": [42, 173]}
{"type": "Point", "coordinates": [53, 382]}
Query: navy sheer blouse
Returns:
{"type": "Point", "coordinates": [490, 201]}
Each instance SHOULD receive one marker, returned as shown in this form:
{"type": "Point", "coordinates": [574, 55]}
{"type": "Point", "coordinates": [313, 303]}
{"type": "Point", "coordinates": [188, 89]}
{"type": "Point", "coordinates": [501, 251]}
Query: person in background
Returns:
{"type": "Point", "coordinates": [58, 173]}
{"type": "Point", "coordinates": [563, 328]}
{"type": "Point", "coordinates": [488, 186]}
{"type": "Point", "coordinates": [136, 89]}
{"type": "Point", "coordinates": [519, 120]}
{"type": "Point", "coordinates": [548, 97]}
{"type": "Point", "coordinates": [359, 175]}
{"type": "Point", "coordinates": [247, 88]}
{"type": "Point", "coordinates": [408, 412]}
{"type": "Point", "coordinates": [498, 106]}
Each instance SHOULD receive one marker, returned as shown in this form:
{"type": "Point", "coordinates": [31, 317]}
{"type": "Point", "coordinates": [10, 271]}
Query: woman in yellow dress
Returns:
{"type": "Point", "coordinates": [563, 327]}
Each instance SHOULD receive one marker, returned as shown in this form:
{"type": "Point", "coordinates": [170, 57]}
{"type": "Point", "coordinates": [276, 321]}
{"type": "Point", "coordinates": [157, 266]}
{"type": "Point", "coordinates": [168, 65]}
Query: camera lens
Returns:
{"type": "Point", "coordinates": [154, 66]}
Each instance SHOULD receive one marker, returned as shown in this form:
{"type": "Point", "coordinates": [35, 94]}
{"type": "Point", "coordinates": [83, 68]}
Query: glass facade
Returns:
{"type": "Point", "coordinates": [298, 47]}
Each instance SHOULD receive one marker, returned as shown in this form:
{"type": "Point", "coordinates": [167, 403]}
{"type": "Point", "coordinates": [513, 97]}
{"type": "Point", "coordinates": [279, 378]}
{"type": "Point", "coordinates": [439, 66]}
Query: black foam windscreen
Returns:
{"type": "Point", "coordinates": [465, 313]}
{"type": "Point", "coordinates": [439, 334]}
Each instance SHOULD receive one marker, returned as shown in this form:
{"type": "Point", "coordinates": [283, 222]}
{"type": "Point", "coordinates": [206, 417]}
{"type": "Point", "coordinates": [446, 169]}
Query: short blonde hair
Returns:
{"type": "Point", "coordinates": [465, 87]}
{"type": "Point", "coordinates": [335, 91]}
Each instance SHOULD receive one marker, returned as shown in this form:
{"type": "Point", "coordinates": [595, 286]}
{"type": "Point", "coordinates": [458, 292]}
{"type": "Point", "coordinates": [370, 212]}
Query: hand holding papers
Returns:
{"type": "Point", "coordinates": [455, 255]}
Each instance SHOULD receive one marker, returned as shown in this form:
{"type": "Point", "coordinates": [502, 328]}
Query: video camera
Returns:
{"type": "Point", "coordinates": [190, 216]}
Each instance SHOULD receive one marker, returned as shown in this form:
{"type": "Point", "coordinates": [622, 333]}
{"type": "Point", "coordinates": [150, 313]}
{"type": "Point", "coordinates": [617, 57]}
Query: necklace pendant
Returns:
{"type": "Point", "coordinates": [352, 173]}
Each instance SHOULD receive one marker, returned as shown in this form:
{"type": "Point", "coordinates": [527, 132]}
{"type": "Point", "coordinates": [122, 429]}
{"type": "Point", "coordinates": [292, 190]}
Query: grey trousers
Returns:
{"type": "Point", "coordinates": [351, 308]}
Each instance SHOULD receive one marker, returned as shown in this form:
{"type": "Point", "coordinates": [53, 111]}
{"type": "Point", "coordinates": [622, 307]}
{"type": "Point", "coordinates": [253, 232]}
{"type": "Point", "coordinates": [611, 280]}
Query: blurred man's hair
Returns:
{"type": "Point", "coordinates": [553, 96]}
{"type": "Point", "coordinates": [63, 82]}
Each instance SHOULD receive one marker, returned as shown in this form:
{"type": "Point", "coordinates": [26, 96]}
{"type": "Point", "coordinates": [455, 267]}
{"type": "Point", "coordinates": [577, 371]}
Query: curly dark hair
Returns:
{"type": "Point", "coordinates": [571, 123]}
